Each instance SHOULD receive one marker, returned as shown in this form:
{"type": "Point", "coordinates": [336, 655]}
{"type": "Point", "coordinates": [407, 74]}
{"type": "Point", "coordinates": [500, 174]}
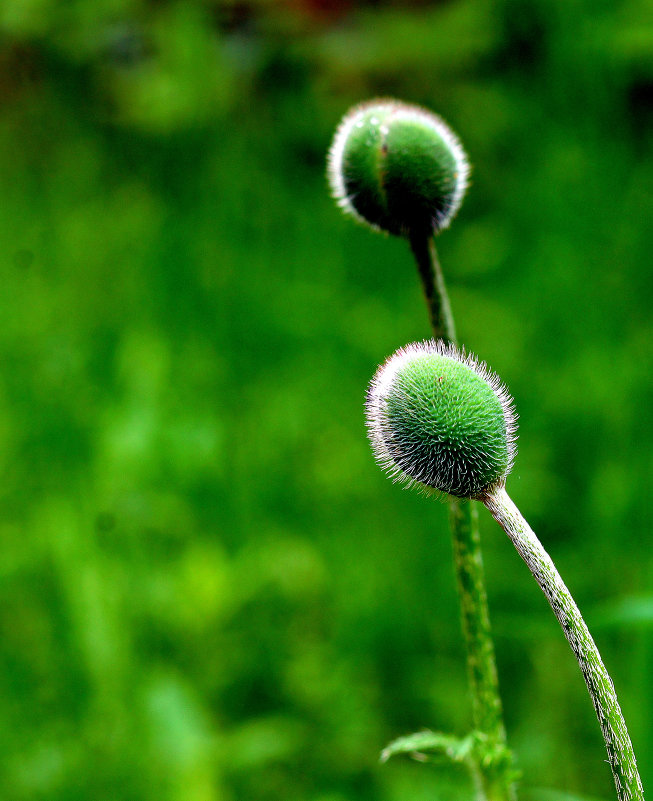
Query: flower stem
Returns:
{"type": "Point", "coordinates": [495, 767]}
{"type": "Point", "coordinates": [435, 290]}
{"type": "Point", "coordinates": [599, 684]}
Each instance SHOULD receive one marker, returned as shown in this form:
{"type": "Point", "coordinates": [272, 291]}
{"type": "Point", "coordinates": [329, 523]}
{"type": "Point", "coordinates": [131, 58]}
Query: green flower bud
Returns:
{"type": "Point", "coordinates": [439, 418]}
{"type": "Point", "coordinates": [398, 168]}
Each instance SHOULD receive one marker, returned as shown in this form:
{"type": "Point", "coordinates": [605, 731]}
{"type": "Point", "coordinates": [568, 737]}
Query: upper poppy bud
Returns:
{"type": "Point", "coordinates": [397, 167]}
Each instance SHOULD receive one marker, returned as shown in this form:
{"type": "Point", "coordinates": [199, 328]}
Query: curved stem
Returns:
{"type": "Point", "coordinates": [599, 684]}
{"type": "Point", "coordinates": [495, 769]}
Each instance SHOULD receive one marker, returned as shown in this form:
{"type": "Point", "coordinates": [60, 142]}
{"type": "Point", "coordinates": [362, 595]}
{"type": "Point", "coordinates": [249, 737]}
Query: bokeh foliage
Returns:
{"type": "Point", "coordinates": [209, 592]}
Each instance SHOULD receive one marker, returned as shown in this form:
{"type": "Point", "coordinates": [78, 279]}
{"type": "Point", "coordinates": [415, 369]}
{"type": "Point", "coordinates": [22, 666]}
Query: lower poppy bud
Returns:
{"type": "Point", "coordinates": [440, 419]}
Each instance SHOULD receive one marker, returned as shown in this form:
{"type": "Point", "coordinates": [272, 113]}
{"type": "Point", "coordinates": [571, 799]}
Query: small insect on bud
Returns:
{"type": "Point", "coordinates": [397, 167]}
{"type": "Point", "coordinates": [439, 418]}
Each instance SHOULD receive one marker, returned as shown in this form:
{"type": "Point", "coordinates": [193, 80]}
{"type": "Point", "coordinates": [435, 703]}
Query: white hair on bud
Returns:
{"type": "Point", "coordinates": [335, 171]}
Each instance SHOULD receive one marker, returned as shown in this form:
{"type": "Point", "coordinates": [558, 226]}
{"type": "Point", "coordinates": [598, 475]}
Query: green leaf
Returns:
{"type": "Point", "coordinates": [456, 749]}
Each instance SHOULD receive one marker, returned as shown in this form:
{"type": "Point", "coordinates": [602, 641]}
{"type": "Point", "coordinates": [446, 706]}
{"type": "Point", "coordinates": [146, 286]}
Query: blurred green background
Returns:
{"type": "Point", "coordinates": [208, 590]}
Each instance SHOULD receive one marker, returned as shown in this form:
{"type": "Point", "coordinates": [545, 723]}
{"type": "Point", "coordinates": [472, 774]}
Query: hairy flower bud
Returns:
{"type": "Point", "coordinates": [397, 167]}
{"type": "Point", "coordinates": [439, 418]}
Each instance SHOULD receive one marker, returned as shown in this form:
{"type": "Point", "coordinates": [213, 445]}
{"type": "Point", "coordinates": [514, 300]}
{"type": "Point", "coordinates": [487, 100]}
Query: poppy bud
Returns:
{"type": "Point", "coordinates": [398, 168]}
{"type": "Point", "coordinates": [439, 418]}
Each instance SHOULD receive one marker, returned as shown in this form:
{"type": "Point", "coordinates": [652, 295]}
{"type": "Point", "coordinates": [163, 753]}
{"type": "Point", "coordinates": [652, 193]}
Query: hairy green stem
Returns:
{"type": "Point", "coordinates": [495, 768]}
{"type": "Point", "coordinates": [435, 290]}
{"type": "Point", "coordinates": [599, 684]}
{"type": "Point", "coordinates": [495, 775]}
